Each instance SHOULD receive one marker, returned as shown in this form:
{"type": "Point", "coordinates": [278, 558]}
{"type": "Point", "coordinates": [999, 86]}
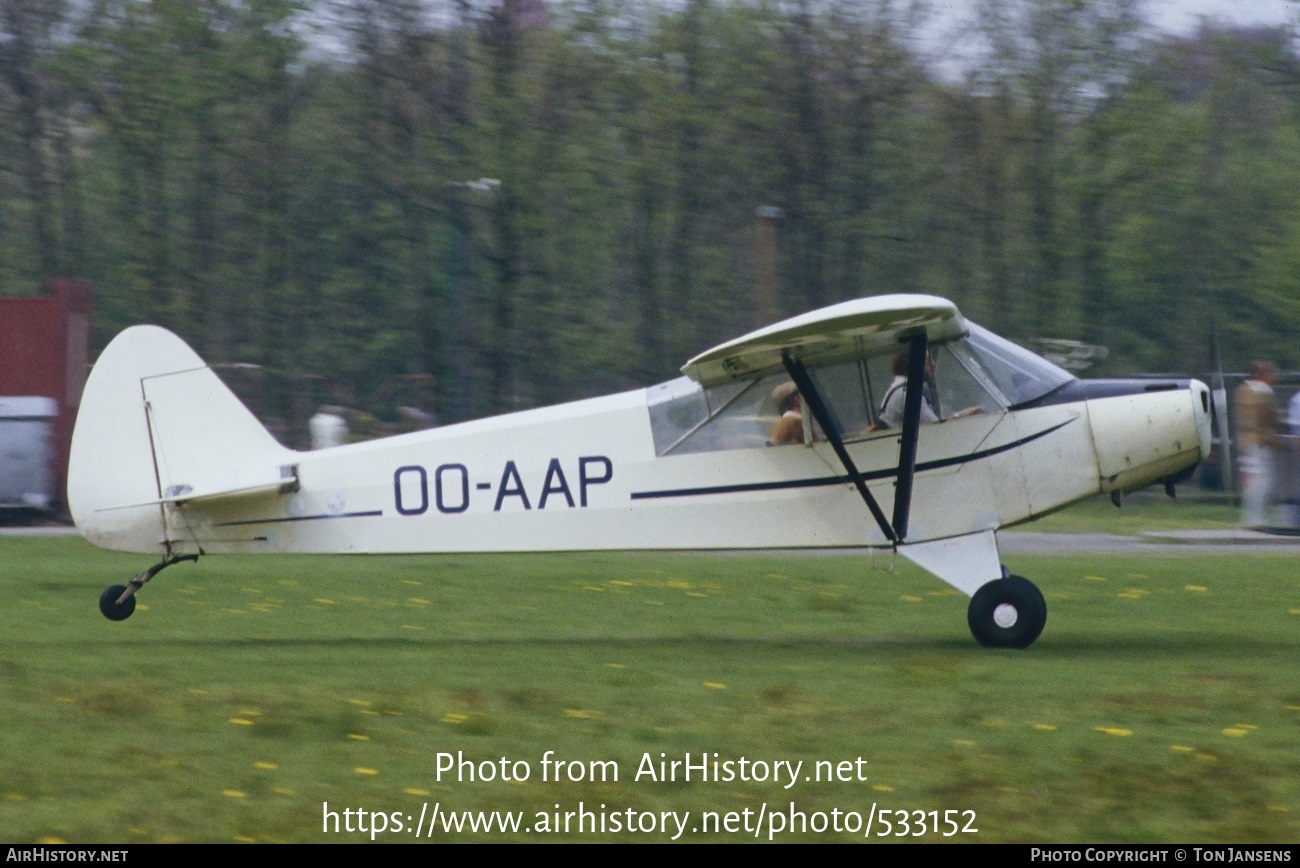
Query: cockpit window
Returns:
{"type": "Point", "coordinates": [977, 374]}
{"type": "Point", "coordinates": [687, 418]}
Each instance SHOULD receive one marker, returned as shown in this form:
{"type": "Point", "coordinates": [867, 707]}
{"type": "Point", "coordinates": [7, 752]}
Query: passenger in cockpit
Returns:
{"type": "Point", "coordinates": [789, 428]}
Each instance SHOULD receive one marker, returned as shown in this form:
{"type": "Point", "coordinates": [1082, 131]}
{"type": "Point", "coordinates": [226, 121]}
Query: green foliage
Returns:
{"type": "Point", "coordinates": [296, 184]}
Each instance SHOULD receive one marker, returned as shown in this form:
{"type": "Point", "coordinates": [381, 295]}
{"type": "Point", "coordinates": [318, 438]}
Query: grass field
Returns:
{"type": "Point", "coordinates": [1147, 510]}
{"type": "Point", "coordinates": [1162, 703]}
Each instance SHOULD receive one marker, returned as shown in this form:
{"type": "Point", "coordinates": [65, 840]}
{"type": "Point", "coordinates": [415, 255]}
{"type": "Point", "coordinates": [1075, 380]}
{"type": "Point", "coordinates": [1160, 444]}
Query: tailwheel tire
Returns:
{"type": "Point", "coordinates": [109, 606]}
{"type": "Point", "coordinates": [1007, 613]}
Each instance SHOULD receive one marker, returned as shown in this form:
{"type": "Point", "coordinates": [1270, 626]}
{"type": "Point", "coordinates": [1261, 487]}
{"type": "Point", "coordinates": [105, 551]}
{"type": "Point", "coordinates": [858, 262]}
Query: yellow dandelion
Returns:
{"type": "Point", "coordinates": [908, 598]}
{"type": "Point", "coordinates": [619, 583]}
{"type": "Point", "coordinates": [1234, 731]}
{"type": "Point", "coordinates": [249, 712]}
{"type": "Point", "coordinates": [241, 721]}
{"type": "Point", "coordinates": [1207, 757]}
{"type": "Point", "coordinates": [411, 582]}
{"type": "Point", "coordinates": [362, 770]}
{"type": "Point", "coordinates": [50, 839]}
{"type": "Point", "coordinates": [1114, 730]}
{"type": "Point", "coordinates": [356, 736]}
{"type": "Point", "coordinates": [593, 588]}
{"type": "Point", "coordinates": [453, 717]}
{"type": "Point", "coordinates": [882, 788]}
{"type": "Point", "coordinates": [1006, 789]}
{"type": "Point", "coordinates": [244, 839]}
{"type": "Point", "coordinates": [415, 791]}
{"type": "Point", "coordinates": [420, 601]}
{"type": "Point", "coordinates": [1095, 578]}
{"type": "Point", "coordinates": [1132, 595]}
{"type": "Point", "coordinates": [1180, 748]}
{"type": "Point", "coordinates": [370, 711]}
{"type": "Point", "coordinates": [1045, 727]}
{"type": "Point", "coordinates": [715, 685]}
{"type": "Point", "coordinates": [15, 797]}
{"type": "Point", "coordinates": [1281, 809]}
{"type": "Point", "coordinates": [361, 702]}
{"type": "Point", "coordinates": [411, 627]}
{"type": "Point", "coordinates": [64, 699]}
{"type": "Point", "coordinates": [266, 766]}
{"type": "Point", "coordinates": [323, 601]}
{"type": "Point", "coordinates": [234, 794]}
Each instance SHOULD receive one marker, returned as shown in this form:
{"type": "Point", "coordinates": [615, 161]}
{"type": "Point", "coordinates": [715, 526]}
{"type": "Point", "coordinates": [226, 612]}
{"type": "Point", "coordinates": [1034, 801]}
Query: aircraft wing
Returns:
{"type": "Point", "coordinates": [862, 327]}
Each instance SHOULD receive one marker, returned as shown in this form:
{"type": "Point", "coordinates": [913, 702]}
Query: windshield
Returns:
{"type": "Point", "coordinates": [1014, 371]}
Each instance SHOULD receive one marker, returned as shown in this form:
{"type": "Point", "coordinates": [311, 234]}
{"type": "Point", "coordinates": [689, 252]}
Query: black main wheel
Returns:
{"type": "Point", "coordinates": [1007, 613]}
{"type": "Point", "coordinates": [109, 606]}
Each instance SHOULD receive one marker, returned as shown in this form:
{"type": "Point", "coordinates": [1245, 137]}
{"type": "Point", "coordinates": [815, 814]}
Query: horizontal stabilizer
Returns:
{"type": "Point", "coordinates": [287, 481]}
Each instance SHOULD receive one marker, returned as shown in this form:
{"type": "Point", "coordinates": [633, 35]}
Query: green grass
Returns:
{"type": "Point", "coordinates": [1147, 510]}
{"type": "Point", "coordinates": [1162, 703]}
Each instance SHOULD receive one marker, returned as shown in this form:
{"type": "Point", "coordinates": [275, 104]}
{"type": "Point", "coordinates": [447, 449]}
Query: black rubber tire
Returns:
{"type": "Point", "coordinates": [1026, 604]}
{"type": "Point", "coordinates": [1006, 574]}
{"type": "Point", "coordinates": [108, 603]}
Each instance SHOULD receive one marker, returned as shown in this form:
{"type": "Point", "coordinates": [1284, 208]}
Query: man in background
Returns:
{"type": "Point", "coordinates": [1255, 413]}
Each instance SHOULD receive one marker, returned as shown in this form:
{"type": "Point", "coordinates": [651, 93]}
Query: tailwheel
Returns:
{"type": "Point", "coordinates": [1007, 613]}
{"type": "Point", "coordinates": [118, 601]}
{"type": "Point", "coordinates": [112, 609]}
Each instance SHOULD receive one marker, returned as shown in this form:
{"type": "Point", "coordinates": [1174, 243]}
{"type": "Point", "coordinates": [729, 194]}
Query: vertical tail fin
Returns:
{"type": "Point", "coordinates": [157, 425]}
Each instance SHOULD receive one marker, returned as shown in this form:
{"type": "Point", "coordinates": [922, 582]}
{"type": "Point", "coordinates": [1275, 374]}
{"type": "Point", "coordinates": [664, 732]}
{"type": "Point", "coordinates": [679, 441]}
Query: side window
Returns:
{"type": "Point", "coordinates": [853, 392]}
{"type": "Point", "coordinates": [686, 418]}
{"type": "Point", "coordinates": [959, 391]}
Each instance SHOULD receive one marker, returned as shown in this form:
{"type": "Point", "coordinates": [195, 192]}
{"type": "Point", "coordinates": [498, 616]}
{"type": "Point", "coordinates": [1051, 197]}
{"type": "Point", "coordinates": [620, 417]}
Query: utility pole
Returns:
{"type": "Point", "coordinates": [765, 264]}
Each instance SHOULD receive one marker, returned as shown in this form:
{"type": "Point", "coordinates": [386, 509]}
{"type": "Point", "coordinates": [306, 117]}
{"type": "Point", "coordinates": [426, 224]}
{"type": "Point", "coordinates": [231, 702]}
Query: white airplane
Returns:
{"type": "Point", "coordinates": [903, 426]}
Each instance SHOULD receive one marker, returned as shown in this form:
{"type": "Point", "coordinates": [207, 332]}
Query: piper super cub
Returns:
{"type": "Point", "coordinates": [890, 422]}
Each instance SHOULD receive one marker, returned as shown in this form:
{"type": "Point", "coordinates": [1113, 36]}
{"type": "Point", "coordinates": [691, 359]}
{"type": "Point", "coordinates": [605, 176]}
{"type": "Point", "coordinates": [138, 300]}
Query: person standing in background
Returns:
{"type": "Point", "coordinates": [1255, 413]}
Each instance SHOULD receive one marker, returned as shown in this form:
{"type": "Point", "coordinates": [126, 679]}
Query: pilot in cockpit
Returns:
{"type": "Point", "coordinates": [891, 408]}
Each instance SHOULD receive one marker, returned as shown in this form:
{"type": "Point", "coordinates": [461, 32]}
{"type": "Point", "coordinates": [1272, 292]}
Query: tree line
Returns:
{"type": "Point", "coordinates": [480, 206]}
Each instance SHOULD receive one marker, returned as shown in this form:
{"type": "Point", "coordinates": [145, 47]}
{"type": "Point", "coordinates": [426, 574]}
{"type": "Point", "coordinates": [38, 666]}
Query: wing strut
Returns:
{"type": "Point", "coordinates": [823, 416]}
{"type": "Point", "coordinates": [917, 351]}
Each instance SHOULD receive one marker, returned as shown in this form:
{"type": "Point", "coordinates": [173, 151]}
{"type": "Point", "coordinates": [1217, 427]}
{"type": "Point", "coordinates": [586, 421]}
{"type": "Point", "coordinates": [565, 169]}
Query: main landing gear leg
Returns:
{"type": "Point", "coordinates": [118, 601]}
